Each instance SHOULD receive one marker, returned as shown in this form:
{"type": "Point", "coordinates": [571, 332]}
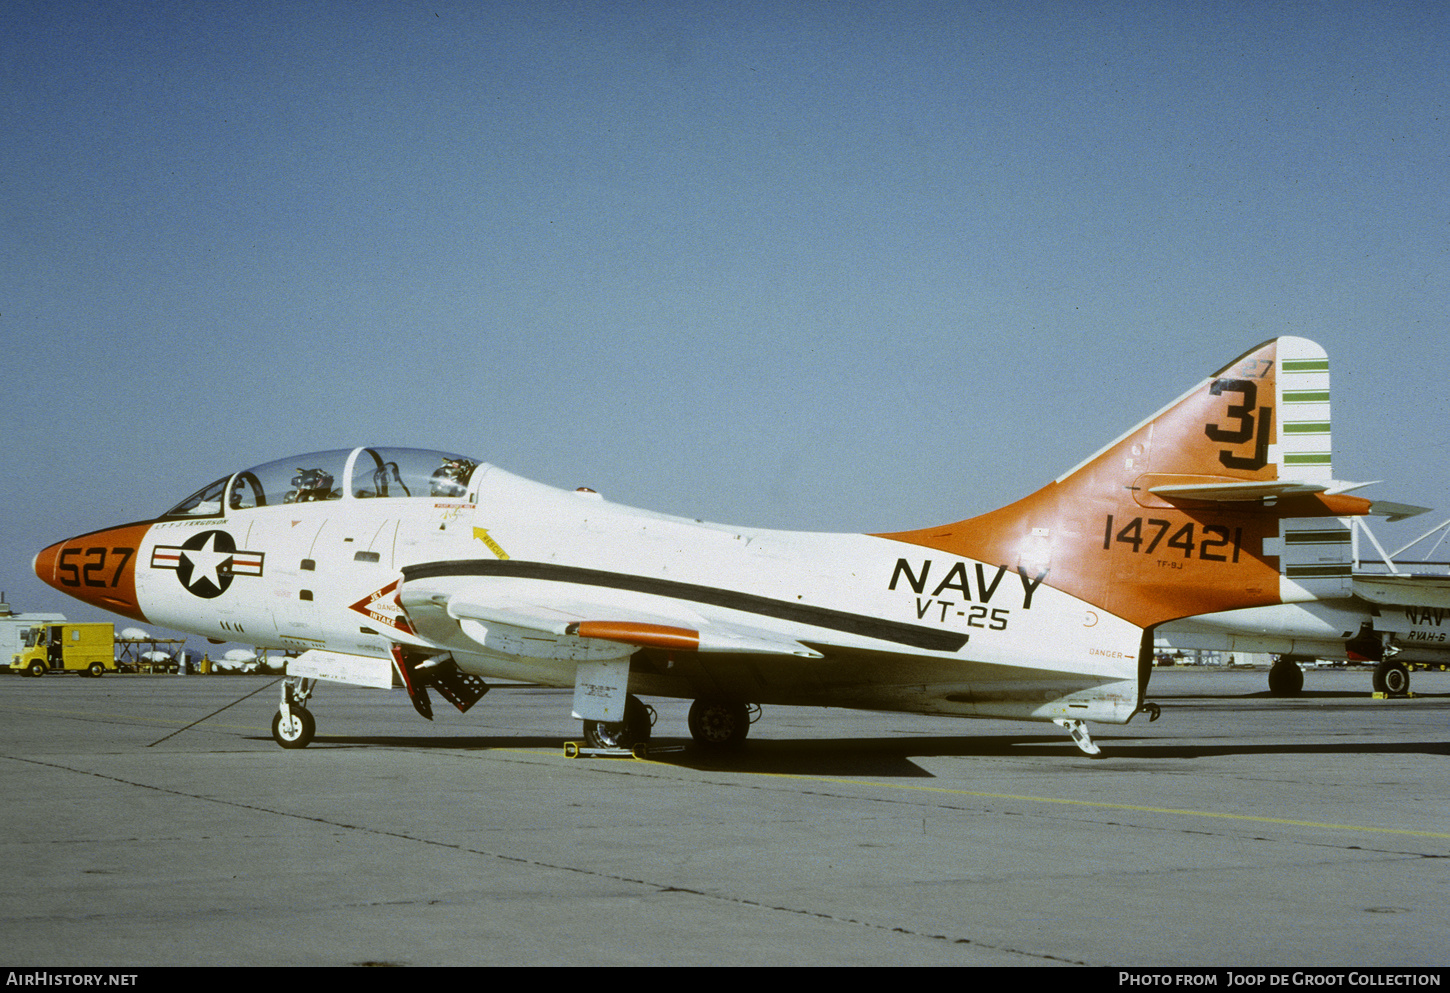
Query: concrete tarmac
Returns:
{"type": "Point", "coordinates": [1238, 830]}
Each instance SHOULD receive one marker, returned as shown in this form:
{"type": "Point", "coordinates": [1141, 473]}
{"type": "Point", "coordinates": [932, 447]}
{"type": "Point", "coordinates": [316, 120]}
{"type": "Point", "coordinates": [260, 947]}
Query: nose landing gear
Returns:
{"type": "Point", "coordinates": [293, 725]}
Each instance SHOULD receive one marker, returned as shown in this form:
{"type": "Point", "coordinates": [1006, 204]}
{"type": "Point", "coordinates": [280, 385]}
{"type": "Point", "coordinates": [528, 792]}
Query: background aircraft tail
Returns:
{"type": "Point", "coordinates": [1222, 500]}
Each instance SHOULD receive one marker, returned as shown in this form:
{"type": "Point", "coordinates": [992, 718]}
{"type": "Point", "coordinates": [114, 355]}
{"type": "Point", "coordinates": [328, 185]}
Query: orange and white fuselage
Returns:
{"type": "Point", "coordinates": [832, 619]}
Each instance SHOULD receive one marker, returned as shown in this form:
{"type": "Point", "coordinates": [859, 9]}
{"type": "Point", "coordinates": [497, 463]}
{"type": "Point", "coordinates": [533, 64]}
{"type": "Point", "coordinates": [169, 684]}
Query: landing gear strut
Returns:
{"type": "Point", "coordinates": [293, 725]}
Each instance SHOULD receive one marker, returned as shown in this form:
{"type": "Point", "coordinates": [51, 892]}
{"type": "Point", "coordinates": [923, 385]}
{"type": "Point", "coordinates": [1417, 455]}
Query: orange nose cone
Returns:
{"type": "Point", "coordinates": [45, 562]}
{"type": "Point", "coordinates": [98, 569]}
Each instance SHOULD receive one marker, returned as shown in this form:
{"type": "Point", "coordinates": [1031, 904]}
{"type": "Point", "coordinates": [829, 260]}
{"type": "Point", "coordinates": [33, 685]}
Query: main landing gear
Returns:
{"type": "Point", "coordinates": [721, 723]}
{"type": "Point", "coordinates": [1391, 678]}
{"type": "Point", "coordinates": [1285, 676]}
{"type": "Point", "coordinates": [714, 724]}
{"type": "Point", "coordinates": [625, 734]}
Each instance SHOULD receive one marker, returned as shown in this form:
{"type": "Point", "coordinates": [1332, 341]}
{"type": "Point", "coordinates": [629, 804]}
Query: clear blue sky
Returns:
{"type": "Point", "coordinates": [834, 266]}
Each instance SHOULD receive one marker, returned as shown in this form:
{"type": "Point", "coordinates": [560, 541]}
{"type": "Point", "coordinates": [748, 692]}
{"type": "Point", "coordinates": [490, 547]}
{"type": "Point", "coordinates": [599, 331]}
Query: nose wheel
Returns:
{"type": "Point", "coordinates": [293, 725]}
{"type": "Point", "coordinates": [295, 730]}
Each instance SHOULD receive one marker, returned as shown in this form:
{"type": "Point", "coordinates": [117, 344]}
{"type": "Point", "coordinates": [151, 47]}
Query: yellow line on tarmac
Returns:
{"type": "Point", "coordinates": [1100, 805]}
{"type": "Point", "coordinates": [1095, 804]}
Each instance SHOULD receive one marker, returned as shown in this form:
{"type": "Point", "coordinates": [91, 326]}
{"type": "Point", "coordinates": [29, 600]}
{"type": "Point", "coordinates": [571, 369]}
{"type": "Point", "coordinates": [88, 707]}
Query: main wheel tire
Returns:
{"type": "Point", "coordinates": [1285, 678]}
{"type": "Point", "coordinates": [719, 723]}
{"type": "Point", "coordinates": [627, 733]}
{"type": "Point", "coordinates": [296, 733]}
{"type": "Point", "coordinates": [1392, 678]}
{"type": "Point", "coordinates": [97, 670]}
{"type": "Point", "coordinates": [37, 668]}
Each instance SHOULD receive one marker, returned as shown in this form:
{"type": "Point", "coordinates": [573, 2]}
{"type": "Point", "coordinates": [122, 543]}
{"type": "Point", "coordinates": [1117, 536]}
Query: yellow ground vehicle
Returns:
{"type": "Point", "coordinates": [65, 646]}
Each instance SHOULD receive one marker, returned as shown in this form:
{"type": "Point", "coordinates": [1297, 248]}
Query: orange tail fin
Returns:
{"type": "Point", "coordinates": [1224, 499]}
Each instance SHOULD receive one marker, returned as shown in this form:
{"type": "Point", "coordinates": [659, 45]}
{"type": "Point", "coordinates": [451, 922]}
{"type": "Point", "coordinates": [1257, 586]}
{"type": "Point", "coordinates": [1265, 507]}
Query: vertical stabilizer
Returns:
{"type": "Point", "coordinates": [1222, 500]}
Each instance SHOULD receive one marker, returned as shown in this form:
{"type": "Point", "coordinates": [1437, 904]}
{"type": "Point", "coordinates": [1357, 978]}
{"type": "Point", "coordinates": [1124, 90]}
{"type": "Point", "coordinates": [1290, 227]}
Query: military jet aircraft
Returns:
{"type": "Point", "coordinates": [415, 569]}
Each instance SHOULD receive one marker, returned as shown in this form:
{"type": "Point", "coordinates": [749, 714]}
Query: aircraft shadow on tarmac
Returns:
{"type": "Point", "coordinates": [894, 757]}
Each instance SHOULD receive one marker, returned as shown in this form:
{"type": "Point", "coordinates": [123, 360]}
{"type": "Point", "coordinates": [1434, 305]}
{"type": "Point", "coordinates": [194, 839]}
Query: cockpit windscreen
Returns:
{"type": "Point", "coordinates": [360, 473]}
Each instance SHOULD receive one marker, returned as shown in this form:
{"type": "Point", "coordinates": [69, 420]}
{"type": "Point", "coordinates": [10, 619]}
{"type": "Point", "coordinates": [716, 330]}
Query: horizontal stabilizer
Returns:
{"type": "Point", "coordinates": [1273, 489]}
{"type": "Point", "coordinates": [1237, 492]}
{"type": "Point", "coordinates": [1395, 511]}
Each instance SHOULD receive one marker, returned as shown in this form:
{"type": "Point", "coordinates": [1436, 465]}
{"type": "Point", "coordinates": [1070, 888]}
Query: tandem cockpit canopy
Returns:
{"type": "Point", "coordinates": [342, 474]}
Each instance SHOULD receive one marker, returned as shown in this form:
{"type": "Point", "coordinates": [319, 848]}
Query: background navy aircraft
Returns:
{"type": "Point", "coordinates": [1399, 614]}
{"type": "Point", "coordinates": [421, 569]}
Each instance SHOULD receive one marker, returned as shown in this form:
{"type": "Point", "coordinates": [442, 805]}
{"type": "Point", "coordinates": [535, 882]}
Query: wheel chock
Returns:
{"type": "Point", "coordinates": [580, 750]}
{"type": "Point", "coordinates": [642, 750]}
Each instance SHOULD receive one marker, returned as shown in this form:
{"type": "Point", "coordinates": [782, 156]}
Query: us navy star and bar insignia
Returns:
{"type": "Point", "coordinates": [206, 563]}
